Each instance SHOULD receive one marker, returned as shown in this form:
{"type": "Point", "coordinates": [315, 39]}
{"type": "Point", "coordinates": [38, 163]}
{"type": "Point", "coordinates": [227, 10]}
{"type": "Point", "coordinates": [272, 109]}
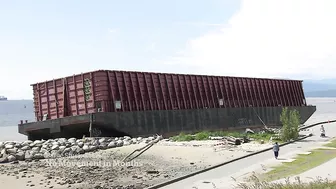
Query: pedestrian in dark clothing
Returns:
{"type": "Point", "coordinates": [276, 150]}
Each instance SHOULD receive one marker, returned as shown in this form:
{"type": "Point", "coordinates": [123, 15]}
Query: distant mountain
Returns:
{"type": "Point", "coordinates": [328, 93]}
{"type": "Point", "coordinates": [310, 86]}
{"type": "Point", "coordinates": [320, 88]}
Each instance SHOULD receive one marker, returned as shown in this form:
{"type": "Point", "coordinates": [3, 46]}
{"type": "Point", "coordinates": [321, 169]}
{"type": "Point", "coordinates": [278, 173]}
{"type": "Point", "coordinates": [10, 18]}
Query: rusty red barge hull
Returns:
{"type": "Point", "coordinates": [142, 103]}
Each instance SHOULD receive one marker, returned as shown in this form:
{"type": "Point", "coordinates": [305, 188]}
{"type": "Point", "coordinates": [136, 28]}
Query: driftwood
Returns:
{"type": "Point", "coordinates": [142, 149]}
{"type": "Point", "coordinates": [234, 141]}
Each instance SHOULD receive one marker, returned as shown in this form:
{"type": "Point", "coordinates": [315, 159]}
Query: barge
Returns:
{"type": "Point", "coordinates": [118, 103]}
{"type": "Point", "coordinates": [3, 98]}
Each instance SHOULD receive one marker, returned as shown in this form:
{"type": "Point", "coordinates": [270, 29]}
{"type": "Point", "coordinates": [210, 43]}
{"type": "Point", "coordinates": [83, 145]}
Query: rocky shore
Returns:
{"type": "Point", "coordinates": [54, 148]}
{"type": "Point", "coordinates": [98, 162]}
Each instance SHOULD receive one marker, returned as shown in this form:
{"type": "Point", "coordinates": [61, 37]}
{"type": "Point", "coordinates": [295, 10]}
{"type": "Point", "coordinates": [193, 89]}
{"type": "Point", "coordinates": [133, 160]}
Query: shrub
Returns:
{"type": "Point", "coordinates": [202, 135]}
{"type": "Point", "coordinates": [183, 137]}
{"type": "Point", "coordinates": [290, 120]}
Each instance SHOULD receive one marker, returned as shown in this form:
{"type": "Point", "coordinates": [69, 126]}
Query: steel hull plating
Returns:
{"type": "Point", "coordinates": [165, 122]}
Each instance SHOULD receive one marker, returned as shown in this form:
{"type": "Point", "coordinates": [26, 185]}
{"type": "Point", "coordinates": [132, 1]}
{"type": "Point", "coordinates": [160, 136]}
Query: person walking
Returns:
{"type": "Point", "coordinates": [322, 131]}
{"type": "Point", "coordinates": [276, 150]}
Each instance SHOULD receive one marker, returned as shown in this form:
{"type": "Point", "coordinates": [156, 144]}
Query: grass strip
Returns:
{"type": "Point", "coordinates": [331, 144]}
{"type": "Point", "coordinates": [206, 134]}
{"type": "Point", "coordinates": [301, 164]}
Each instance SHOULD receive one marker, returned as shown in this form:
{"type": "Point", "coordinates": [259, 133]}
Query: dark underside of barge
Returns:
{"type": "Point", "coordinates": [163, 122]}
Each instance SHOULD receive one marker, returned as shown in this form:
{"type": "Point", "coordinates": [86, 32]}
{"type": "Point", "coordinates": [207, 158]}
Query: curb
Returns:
{"type": "Point", "coordinates": [236, 159]}
{"type": "Point", "coordinates": [221, 164]}
{"type": "Point", "coordinates": [315, 124]}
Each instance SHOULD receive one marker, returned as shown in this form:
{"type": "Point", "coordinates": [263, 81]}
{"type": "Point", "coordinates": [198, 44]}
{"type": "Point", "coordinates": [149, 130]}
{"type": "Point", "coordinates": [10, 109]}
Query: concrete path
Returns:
{"type": "Point", "coordinates": [219, 178]}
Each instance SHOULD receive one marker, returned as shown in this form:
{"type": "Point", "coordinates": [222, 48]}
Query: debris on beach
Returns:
{"type": "Point", "coordinates": [12, 151]}
{"type": "Point", "coordinates": [112, 168]}
{"type": "Point", "coordinates": [245, 139]}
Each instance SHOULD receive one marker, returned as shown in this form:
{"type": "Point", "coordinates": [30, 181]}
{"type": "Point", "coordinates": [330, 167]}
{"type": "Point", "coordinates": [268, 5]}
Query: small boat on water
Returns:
{"type": "Point", "coordinates": [3, 98]}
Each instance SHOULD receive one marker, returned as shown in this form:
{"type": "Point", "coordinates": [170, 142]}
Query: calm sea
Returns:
{"type": "Point", "coordinates": [12, 111]}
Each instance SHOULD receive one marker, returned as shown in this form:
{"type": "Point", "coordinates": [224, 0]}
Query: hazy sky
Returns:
{"type": "Point", "coordinates": [42, 40]}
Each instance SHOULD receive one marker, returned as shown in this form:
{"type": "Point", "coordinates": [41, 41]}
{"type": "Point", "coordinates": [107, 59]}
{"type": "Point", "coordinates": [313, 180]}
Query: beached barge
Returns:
{"type": "Point", "coordinates": [114, 103]}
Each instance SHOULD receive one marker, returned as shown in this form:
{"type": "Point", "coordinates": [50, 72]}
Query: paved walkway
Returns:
{"type": "Point", "coordinates": [219, 178]}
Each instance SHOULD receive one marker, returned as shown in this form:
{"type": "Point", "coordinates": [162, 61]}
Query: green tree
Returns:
{"type": "Point", "coordinates": [290, 120]}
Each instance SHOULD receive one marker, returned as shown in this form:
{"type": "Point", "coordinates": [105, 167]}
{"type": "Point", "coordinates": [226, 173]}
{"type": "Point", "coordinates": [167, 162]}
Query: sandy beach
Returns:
{"type": "Point", "coordinates": [105, 169]}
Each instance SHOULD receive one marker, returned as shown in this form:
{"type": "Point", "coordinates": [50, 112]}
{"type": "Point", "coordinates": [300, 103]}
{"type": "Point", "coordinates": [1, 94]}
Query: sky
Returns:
{"type": "Point", "coordinates": [42, 40]}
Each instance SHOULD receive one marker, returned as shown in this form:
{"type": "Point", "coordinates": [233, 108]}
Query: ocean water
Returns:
{"type": "Point", "coordinates": [12, 111]}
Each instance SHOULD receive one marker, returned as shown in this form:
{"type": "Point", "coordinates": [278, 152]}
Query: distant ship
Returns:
{"type": "Point", "coordinates": [3, 98]}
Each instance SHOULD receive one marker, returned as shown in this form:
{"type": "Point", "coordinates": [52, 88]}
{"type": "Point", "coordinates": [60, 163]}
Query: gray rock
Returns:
{"type": "Point", "coordinates": [62, 141]}
{"type": "Point", "coordinates": [38, 142]}
{"type": "Point", "coordinates": [80, 151]}
{"type": "Point", "coordinates": [74, 148]}
{"type": "Point", "coordinates": [26, 143]}
{"type": "Point", "coordinates": [11, 158]}
{"type": "Point", "coordinates": [68, 144]}
{"type": "Point", "coordinates": [66, 151]}
{"type": "Point", "coordinates": [55, 154]}
{"type": "Point", "coordinates": [17, 145]}
{"type": "Point", "coordinates": [108, 140]}
{"type": "Point", "coordinates": [102, 140]}
{"type": "Point", "coordinates": [120, 143]}
{"type": "Point", "coordinates": [47, 155]}
{"type": "Point", "coordinates": [112, 144]}
{"type": "Point", "coordinates": [12, 151]}
{"type": "Point", "coordinates": [28, 156]}
{"type": "Point", "coordinates": [32, 145]}
{"type": "Point", "coordinates": [43, 150]}
{"type": "Point", "coordinates": [38, 145]}
{"type": "Point", "coordinates": [72, 140]}
{"type": "Point", "coordinates": [25, 148]}
{"type": "Point", "coordinates": [61, 148]}
{"type": "Point", "coordinates": [86, 148]}
{"type": "Point", "coordinates": [9, 146]}
{"type": "Point", "coordinates": [55, 147]}
{"type": "Point", "coordinates": [3, 152]}
{"type": "Point", "coordinates": [126, 143]}
{"type": "Point", "coordinates": [103, 146]}
{"type": "Point", "coordinates": [20, 156]}
{"type": "Point", "coordinates": [9, 143]}
{"type": "Point", "coordinates": [38, 156]}
{"type": "Point", "coordinates": [36, 149]}
{"type": "Point", "coordinates": [80, 144]}
{"type": "Point", "coordinates": [4, 159]}
{"type": "Point", "coordinates": [95, 143]}
{"type": "Point", "coordinates": [33, 152]}
{"type": "Point", "coordinates": [93, 148]}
